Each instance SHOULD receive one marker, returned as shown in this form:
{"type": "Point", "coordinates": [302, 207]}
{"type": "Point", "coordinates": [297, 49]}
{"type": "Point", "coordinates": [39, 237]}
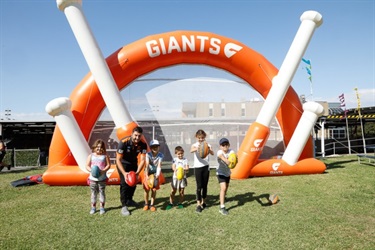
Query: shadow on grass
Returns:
{"type": "Point", "coordinates": [372, 164]}
{"type": "Point", "coordinates": [190, 199]}
{"type": "Point", "coordinates": [241, 199]}
{"type": "Point", "coordinates": [338, 164]}
{"type": "Point", "coordinates": [212, 200]}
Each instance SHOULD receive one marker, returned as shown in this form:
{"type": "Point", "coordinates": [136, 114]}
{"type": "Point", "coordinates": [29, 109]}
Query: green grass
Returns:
{"type": "Point", "coordinates": [334, 210]}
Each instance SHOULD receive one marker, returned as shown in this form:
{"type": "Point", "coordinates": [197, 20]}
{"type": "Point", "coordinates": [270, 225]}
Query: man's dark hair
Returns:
{"type": "Point", "coordinates": [138, 129]}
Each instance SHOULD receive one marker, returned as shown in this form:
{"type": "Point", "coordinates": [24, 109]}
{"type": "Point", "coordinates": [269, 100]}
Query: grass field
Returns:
{"type": "Point", "coordinates": [334, 210]}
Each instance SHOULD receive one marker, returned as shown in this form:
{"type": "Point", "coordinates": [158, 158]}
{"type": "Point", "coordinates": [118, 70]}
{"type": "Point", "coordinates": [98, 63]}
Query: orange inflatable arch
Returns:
{"type": "Point", "coordinates": [158, 51]}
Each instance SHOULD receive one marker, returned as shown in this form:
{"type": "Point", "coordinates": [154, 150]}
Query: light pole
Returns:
{"type": "Point", "coordinates": [360, 119]}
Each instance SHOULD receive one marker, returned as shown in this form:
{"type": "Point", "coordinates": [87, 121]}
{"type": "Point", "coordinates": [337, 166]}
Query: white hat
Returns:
{"type": "Point", "coordinates": [154, 143]}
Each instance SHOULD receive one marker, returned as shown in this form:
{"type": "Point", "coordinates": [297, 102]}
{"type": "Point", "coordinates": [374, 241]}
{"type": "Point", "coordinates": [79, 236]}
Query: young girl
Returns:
{"type": "Point", "coordinates": [178, 162]}
{"type": "Point", "coordinates": [201, 170]}
{"type": "Point", "coordinates": [223, 172]}
{"type": "Point", "coordinates": [153, 166]}
{"type": "Point", "coordinates": [99, 158]}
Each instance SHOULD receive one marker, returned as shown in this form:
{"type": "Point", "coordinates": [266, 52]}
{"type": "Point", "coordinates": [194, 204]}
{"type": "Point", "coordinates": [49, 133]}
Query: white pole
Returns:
{"type": "Point", "coordinates": [310, 20]}
{"type": "Point", "coordinates": [59, 108]}
{"type": "Point", "coordinates": [322, 137]}
{"type": "Point", "coordinates": [95, 60]}
{"type": "Point", "coordinates": [363, 135]}
{"type": "Point", "coordinates": [347, 132]}
{"type": "Point", "coordinates": [301, 134]}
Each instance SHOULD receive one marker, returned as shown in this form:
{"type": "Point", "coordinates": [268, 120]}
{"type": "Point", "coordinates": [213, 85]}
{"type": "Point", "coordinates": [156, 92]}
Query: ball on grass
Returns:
{"type": "Point", "coordinates": [273, 199]}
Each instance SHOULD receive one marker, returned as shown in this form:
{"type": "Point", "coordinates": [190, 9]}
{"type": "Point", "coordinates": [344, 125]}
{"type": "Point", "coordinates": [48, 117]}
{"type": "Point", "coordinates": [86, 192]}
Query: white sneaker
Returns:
{"type": "Point", "coordinates": [92, 210]}
{"type": "Point", "coordinates": [223, 211]}
{"type": "Point", "coordinates": [102, 210]}
{"type": "Point", "coordinates": [125, 211]}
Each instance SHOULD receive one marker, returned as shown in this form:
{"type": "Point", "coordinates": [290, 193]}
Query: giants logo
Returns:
{"type": "Point", "coordinates": [193, 43]}
{"type": "Point", "coordinates": [109, 173]}
{"type": "Point", "coordinates": [257, 144]}
{"type": "Point", "coordinates": [275, 167]}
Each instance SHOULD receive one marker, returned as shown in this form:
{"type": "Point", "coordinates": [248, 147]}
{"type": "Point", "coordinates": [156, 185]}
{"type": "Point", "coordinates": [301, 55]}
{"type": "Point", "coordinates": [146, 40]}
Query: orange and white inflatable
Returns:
{"type": "Point", "coordinates": [76, 116]}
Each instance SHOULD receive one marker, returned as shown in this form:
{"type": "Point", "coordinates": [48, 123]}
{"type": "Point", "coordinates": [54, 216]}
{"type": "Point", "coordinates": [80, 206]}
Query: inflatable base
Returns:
{"type": "Point", "coordinates": [278, 167]}
{"type": "Point", "coordinates": [62, 175]}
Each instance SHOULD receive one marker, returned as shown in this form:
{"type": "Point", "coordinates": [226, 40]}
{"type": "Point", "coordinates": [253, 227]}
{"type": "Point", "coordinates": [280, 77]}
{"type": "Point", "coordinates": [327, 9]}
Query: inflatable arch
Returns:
{"type": "Point", "coordinates": [163, 50]}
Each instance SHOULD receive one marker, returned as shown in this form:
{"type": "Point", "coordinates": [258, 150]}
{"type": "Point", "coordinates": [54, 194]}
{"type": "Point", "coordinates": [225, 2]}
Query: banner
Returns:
{"type": "Point", "coordinates": [343, 105]}
{"type": "Point", "coordinates": [308, 68]}
{"type": "Point", "coordinates": [358, 103]}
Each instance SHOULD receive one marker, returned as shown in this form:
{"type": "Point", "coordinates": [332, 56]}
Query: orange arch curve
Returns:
{"type": "Point", "coordinates": [158, 51]}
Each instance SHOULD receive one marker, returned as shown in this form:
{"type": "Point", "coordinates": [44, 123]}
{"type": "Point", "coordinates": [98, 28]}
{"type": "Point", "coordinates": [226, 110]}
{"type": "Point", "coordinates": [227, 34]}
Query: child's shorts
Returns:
{"type": "Point", "coordinates": [222, 178]}
{"type": "Point", "coordinates": [178, 184]}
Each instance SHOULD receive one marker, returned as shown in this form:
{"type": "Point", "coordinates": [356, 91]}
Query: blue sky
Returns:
{"type": "Point", "coordinates": [40, 59]}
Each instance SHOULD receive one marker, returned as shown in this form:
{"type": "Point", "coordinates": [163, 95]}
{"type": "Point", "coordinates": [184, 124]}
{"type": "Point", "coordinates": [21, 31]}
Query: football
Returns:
{"type": "Point", "coordinates": [232, 158]}
{"type": "Point", "coordinates": [203, 149]}
{"type": "Point", "coordinates": [151, 180]}
{"type": "Point", "coordinates": [131, 179]}
{"type": "Point", "coordinates": [180, 173]}
{"type": "Point", "coordinates": [273, 199]}
{"type": "Point", "coordinates": [95, 171]}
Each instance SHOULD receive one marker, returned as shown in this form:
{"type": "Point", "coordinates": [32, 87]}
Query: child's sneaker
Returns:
{"type": "Point", "coordinates": [102, 210]}
{"type": "Point", "coordinates": [198, 209]}
{"type": "Point", "coordinates": [204, 205]}
{"type": "Point", "coordinates": [153, 208]}
{"type": "Point", "coordinates": [169, 206]}
{"type": "Point", "coordinates": [223, 211]}
{"type": "Point", "coordinates": [92, 210]}
{"type": "Point", "coordinates": [180, 205]}
{"type": "Point", "coordinates": [145, 208]}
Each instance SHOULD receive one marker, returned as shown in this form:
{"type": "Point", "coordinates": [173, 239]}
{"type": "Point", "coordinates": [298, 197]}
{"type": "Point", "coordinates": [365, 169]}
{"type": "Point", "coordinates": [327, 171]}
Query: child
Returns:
{"type": "Point", "coordinates": [178, 162]}
{"type": "Point", "coordinates": [99, 158]}
{"type": "Point", "coordinates": [201, 170]}
{"type": "Point", "coordinates": [2, 155]}
{"type": "Point", "coordinates": [223, 172]}
{"type": "Point", "coordinates": [153, 166]}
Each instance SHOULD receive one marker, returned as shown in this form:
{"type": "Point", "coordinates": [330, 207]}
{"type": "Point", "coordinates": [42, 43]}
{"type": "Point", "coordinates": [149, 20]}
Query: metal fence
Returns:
{"type": "Point", "coordinates": [25, 157]}
{"type": "Point", "coordinates": [334, 146]}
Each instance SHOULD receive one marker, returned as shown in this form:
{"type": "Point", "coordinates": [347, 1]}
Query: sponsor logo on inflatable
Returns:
{"type": "Point", "coordinates": [109, 173]}
{"type": "Point", "coordinates": [257, 143]}
{"type": "Point", "coordinates": [193, 43]}
{"type": "Point", "coordinates": [275, 167]}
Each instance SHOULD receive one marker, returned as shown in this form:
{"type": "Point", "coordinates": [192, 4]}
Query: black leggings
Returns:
{"type": "Point", "coordinates": [202, 176]}
{"type": "Point", "coordinates": [126, 191]}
